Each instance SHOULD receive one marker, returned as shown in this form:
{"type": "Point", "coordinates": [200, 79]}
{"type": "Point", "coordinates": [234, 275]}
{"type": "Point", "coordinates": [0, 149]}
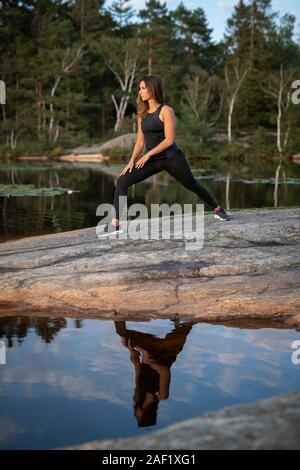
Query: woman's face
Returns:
{"type": "Point", "coordinates": [144, 92]}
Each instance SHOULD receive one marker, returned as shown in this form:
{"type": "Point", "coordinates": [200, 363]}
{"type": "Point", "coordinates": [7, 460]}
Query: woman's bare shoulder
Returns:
{"type": "Point", "coordinates": [167, 111]}
{"type": "Point", "coordinates": [167, 107]}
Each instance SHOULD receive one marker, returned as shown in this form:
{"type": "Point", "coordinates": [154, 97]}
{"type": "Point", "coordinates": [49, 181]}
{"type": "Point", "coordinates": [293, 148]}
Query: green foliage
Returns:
{"type": "Point", "coordinates": [15, 190]}
{"type": "Point", "coordinates": [56, 151]}
{"type": "Point", "coordinates": [118, 153]}
{"type": "Point", "coordinates": [59, 64]}
{"type": "Point", "coordinates": [293, 146]}
{"type": "Point", "coordinates": [193, 131]}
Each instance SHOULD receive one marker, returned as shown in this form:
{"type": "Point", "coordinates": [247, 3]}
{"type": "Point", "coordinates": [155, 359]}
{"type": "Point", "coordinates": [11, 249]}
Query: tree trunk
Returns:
{"type": "Point", "coordinates": [279, 112]}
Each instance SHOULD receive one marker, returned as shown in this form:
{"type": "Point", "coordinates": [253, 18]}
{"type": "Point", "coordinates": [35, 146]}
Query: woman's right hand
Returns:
{"type": "Point", "coordinates": [129, 167]}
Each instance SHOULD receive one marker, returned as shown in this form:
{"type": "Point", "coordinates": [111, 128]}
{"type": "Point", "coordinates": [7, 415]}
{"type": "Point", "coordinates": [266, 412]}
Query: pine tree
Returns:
{"type": "Point", "coordinates": [193, 38]}
{"type": "Point", "coordinates": [122, 12]}
{"type": "Point", "coordinates": [160, 54]}
{"type": "Point", "coordinates": [249, 39]}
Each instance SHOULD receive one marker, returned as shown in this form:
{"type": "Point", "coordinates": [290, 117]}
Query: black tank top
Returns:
{"type": "Point", "coordinates": [153, 130]}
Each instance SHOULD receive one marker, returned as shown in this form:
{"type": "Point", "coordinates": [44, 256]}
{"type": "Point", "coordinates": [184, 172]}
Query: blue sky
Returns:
{"type": "Point", "coordinates": [217, 11]}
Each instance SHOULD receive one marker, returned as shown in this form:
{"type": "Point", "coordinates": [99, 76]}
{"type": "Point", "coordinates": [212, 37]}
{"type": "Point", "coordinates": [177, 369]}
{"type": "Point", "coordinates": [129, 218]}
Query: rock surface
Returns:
{"type": "Point", "coordinates": [272, 423]}
{"type": "Point", "coordinates": [126, 140]}
{"type": "Point", "coordinates": [248, 268]}
{"type": "Point", "coordinates": [83, 157]}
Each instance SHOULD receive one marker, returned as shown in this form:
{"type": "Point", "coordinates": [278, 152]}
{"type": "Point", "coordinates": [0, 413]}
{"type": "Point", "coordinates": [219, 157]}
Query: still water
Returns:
{"type": "Point", "coordinates": [67, 381]}
{"type": "Point", "coordinates": [234, 185]}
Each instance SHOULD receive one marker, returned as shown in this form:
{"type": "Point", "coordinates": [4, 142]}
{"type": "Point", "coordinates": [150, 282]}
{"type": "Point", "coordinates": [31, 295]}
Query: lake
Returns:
{"type": "Point", "coordinates": [236, 186]}
{"type": "Point", "coordinates": [69, 380]}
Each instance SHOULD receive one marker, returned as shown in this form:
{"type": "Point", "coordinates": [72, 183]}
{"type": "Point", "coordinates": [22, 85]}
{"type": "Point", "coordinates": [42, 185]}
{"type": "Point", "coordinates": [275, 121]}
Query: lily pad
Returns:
{"type": "Point", "coordinates": [258, 180]}
{"type": "Point", "coordinates": [7, 190]}
{"type": "Point", "coordinates": [32, 166]}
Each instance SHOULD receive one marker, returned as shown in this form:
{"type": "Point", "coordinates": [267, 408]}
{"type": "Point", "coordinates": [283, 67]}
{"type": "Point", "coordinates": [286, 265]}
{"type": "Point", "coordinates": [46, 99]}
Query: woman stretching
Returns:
{"type": "Point", "coordinates": [156, 130]}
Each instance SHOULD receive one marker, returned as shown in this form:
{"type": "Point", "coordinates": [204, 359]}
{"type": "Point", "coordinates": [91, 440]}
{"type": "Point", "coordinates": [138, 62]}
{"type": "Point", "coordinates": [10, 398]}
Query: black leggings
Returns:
{"type": "Point", "coordinates": [176, 165]}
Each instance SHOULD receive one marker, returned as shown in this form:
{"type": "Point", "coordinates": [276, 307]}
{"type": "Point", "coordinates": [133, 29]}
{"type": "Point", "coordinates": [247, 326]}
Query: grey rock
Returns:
{"type": "Point", "coordinates": [125, 140]}
{"type": "Point", "coordinates": [248, 268]}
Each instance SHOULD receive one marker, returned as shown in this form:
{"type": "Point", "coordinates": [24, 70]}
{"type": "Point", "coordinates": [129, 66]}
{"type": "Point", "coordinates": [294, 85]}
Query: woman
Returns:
{"type": "Point", "coordinates": [156, 129]}
{"type": "Point", "coordinates": [152, 358]}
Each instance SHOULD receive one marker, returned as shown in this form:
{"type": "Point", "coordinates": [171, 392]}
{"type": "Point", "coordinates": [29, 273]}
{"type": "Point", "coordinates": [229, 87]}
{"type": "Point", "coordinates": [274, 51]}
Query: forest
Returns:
{"type": "Point", "coordinates": [70, 72]}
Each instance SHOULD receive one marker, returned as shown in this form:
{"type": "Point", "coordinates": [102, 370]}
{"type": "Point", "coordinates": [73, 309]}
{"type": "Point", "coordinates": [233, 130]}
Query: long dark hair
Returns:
{"type": "Point", "coordinates": [150, 414]}
{"type": "Point", "coordinates": [154, 84]}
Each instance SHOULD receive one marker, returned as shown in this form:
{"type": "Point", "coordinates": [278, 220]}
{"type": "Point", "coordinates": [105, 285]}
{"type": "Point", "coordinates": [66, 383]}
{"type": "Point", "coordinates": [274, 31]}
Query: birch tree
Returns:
{"type": "Point", "coordinates": [67, 63]}
{"type": "Point", "coordinates": [121, 57]}
{"type": "Point", "coordinates": [200, 93]}
{"type": "Point", "coordinates": [278, 86]}
{"type": "Point", "coordinates": [234, 78]}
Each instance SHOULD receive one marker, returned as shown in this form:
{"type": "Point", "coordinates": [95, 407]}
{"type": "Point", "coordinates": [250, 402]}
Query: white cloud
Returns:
{"type": "Point", "coordinates": [229, 381]}
{"type": "Point", "coordinates": [225, 5]}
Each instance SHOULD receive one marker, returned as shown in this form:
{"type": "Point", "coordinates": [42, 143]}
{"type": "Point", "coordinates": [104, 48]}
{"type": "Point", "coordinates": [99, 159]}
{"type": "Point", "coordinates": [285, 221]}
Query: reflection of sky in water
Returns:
{"type": "Point", "coordinates": [80, 386]}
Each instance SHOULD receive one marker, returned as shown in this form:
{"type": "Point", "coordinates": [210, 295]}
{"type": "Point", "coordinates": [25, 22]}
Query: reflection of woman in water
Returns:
{"type": "Point", "coordinates": [152, 359]}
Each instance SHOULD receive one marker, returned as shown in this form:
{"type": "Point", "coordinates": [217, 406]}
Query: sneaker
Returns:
{"type": "Point", "coordinates": [221, 214]}
{"type": "Point", "coordinates": [109, 228]}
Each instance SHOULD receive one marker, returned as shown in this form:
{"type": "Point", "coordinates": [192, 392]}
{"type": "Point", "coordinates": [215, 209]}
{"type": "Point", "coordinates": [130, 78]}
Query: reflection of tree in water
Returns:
{"type": "Point", "coordinates": [17, 327]}
{"type": "Point", "coordinates": [152, 359]}
{"type": "Point", "coordinates": [78, 323]}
